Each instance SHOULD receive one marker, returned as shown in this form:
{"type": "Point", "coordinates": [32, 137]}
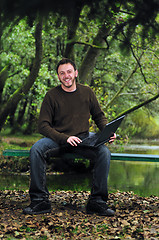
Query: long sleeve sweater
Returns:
{"type": "Point", "coordinates": [64, 114]}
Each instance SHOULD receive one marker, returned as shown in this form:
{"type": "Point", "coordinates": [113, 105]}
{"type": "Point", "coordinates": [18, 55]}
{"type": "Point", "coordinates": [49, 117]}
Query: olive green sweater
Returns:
{"type": "Point", "coordinates": [64, 114]}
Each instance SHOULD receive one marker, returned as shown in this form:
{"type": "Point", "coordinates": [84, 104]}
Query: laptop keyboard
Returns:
{"type": "Point", "coordinates": [90, 141]}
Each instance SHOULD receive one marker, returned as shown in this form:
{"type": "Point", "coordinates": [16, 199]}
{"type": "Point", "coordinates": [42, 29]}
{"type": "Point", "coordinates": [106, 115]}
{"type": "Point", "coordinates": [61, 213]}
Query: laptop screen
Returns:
{"type": "Point", "coordinates": [109, 130]}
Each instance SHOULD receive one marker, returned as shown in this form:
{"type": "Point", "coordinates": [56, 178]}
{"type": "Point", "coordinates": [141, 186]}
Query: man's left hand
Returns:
{"type": "Point", "coordinates": [112, 138]}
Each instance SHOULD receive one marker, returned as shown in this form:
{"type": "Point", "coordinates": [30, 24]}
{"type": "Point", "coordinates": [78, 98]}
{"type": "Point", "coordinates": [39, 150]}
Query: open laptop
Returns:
{"type": "Point", "coordinates": [104, 136]}
{"type": "Point", "coordinates": [88, 143]}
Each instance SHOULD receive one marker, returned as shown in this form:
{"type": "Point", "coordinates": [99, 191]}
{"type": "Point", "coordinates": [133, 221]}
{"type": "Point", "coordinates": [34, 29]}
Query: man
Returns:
{"type": "Point", "coordinates": [64, 117]}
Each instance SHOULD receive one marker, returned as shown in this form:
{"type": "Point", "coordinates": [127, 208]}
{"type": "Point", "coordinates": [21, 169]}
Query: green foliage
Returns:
{"type": "Point", "coordinates": [111, 71]}
{"type": "Point", "coordinates": [81, 161]}
{"type": "Point", "coordinates": [144, 125]}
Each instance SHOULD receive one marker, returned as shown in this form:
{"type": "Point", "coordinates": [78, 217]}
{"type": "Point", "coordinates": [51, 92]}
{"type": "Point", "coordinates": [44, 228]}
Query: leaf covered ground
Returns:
{"type": "Point", "coordinates": [136, 217]}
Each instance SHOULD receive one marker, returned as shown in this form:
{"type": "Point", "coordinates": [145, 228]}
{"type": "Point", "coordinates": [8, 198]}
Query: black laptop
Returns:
{"type": "Point", "coordinates": [104, 136]}
{"type": "Point", "coordinates": [88, 143]}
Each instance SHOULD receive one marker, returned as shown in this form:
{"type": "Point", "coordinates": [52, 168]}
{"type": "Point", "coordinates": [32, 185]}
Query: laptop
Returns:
{"type": "Point", "coordinates": [104, 136]}
{"type": "Point", "coordinates": [88, 143]}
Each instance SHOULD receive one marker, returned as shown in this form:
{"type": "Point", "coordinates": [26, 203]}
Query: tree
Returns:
{"type": "Point", "coordinates": [137, 12]}
{"type": "Point", "coordinates": [114, 22]}
{"type": "Point", "coordinates": [18, 94]}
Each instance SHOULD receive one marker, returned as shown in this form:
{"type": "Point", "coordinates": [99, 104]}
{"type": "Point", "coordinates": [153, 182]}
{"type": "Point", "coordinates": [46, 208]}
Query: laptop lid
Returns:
{"type": "Point", "coordinates": [108, 131]}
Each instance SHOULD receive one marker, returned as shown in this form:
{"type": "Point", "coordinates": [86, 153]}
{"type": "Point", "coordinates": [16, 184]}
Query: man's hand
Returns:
{"type": "Point", "coordinates": [74, 141]}
{"type": "Point", "coordinates": [112, 138]}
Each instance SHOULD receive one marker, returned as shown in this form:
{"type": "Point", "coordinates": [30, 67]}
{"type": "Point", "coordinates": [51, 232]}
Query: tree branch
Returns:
{"type": "Point", "coordinates": [130, 110]}
{"type": "Point", "coordinates": [125, 83]}
{"type": "Point", "coordinates": [129, 13]}
{"type": "Point", "coordinates": [91, 45]}
{"type": "Point", "coordinates": [137, 60]}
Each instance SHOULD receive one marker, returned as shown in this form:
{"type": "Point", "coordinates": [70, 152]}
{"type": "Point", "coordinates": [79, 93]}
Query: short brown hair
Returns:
{"type": "Point", "coordinates": [65, 61]}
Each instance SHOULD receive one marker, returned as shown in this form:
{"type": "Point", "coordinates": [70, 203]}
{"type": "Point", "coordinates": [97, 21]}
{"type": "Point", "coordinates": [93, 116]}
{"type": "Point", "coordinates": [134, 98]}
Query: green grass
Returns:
{"type": "Point", "coordinates": [17, 141]}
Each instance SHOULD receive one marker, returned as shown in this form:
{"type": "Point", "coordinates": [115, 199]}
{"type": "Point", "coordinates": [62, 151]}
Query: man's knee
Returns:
{"type": "Point", "coordinates": [103, 150]}
{"type": "Point", "coordinates": [43, 145]}
{"type": "Point", "coordinates": [104, 155]}
{"type": "Point", "coordinates": [36, 148]}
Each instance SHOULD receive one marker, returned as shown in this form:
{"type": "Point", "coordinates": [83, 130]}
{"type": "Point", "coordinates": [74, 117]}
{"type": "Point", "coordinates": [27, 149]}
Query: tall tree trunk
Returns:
{"type": "Point", "coordinates": [3, 78]}
{"type": "Point", "coordinates": [21, 91]}
{"type": "Point", "coordinates": [32, 115]}
{"type": "Point", "coordinates": [21, 112]}
{"type": "Point", "coordinates": [11, 120]}
{"type": "Point", "coordinates": [88, 63]}
{"type": "Point", "coordinates": [73, 21]}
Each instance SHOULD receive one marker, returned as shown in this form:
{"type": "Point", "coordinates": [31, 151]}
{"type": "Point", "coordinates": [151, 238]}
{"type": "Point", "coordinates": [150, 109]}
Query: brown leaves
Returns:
{"type": "Point", "coordinates": [136, 217]}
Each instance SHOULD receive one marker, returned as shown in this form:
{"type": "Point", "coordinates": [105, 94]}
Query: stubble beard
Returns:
{"type": "Point", "coordinates": [68, 86]}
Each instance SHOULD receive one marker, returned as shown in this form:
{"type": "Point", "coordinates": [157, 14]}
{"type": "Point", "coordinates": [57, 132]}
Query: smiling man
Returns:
{"type": "Point", "coordinates": [64, 118]}
{"type": "Point", "coordinates": [66, 75]}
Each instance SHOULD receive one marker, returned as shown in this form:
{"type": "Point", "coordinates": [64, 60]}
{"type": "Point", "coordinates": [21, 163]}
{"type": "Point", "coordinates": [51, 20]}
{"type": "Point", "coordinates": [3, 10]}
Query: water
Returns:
{"type": "Point", "coordinates": [137, 148]}
{"type": "Point", "coordinates": [140, 177]}
{"type": "Point", "coordinates": [141, 149]}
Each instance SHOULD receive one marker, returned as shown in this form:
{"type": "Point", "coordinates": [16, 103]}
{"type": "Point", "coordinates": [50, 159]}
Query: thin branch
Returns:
{"type": "Point", "coordinates": [135, 93]}
{"type": "Point", "coordinates": [15, 73]}
{"type": "Point", "coordinates": [90, 45]}
{"type": "Point", "coordinates": [129, 13]}
{"type": "Point", "coordinates": [140, 67]}
{"type": "Point", "coordinates": [137, 60]}
{"type": "Point", "coordinates": [124, 84]}
{"type": "Point", "coordinates": [156, 55]}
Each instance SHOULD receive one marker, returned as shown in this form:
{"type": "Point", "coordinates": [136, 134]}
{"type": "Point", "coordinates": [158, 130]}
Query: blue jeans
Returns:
{"type": "Point", "coordinates": [38, 189]}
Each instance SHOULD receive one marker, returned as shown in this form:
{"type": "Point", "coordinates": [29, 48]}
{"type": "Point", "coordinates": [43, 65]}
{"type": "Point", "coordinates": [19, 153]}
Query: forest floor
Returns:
{"type": "Point", "coordinates": [136, 217]}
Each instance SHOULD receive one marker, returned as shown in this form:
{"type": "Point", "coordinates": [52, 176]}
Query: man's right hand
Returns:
{"type": "Point", "coordinates": [74, 141]}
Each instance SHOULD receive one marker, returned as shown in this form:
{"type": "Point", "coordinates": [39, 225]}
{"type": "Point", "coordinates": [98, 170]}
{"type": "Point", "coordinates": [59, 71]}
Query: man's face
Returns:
{"type": "Point", "coordinates": [67, 76]}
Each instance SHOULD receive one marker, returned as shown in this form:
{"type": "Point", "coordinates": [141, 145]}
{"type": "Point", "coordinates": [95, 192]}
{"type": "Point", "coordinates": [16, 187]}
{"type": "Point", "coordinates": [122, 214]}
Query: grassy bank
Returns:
{"type": "Point", "coordinates": [19, 141]}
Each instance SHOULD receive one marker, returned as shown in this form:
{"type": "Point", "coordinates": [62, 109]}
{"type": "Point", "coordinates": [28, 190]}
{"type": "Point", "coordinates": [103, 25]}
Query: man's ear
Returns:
{"type": "Point", "coordinates": [76, 73]}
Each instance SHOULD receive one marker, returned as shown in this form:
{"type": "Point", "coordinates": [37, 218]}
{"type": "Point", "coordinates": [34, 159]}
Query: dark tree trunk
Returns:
{"type": "Point", "coordinates": [21, 112]}
{"type": "Point", "coordinates": [73, 21]}
{"type": "Point", "coordinates": [19, 93]}
{"type": "Point", "coordinates": [88, 63]}
{"type": "Point", "coordinates": [3, 78]}
{"type": "Point", "coordinates": [32, 116]}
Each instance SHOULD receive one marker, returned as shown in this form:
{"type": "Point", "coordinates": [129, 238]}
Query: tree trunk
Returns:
{"type": "Point", "coordinates": [88, 64]}
{"type": "Point", "coordinates": [73, 21]}
{"type": "Point", "coordinates": [31, 115]}
{"type": "Point", "coordinates": [21, 91]}
{"type": "Point", "coordinates": [3, 78]}
{"type": "Point", "coordinates": [11, 120]}
{"type": "Point", "coordinates": [21, 112]}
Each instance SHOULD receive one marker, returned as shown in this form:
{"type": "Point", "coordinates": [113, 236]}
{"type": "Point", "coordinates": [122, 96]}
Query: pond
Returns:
{"type": "Point", "coordinates": [140, 177]}
{"type": "Point", "coordinates": [138, 147]}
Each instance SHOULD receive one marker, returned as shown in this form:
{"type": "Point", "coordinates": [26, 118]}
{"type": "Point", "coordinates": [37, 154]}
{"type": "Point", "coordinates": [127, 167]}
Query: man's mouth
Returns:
{"type": "Point", "coordinates": [67, 80]}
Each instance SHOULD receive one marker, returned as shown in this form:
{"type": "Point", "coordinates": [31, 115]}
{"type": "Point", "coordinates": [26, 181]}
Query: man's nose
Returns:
{"type": "Point", "coordinates": [66, 75]}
